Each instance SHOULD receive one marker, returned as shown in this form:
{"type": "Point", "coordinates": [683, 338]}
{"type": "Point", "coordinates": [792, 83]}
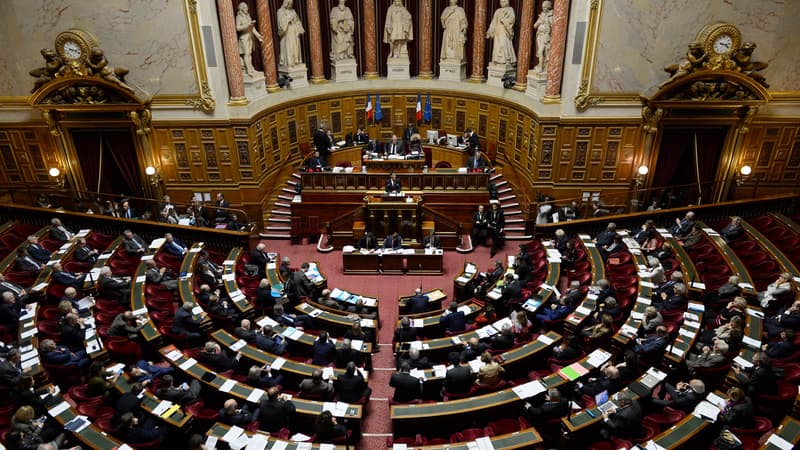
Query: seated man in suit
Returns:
{"type": "Point", "coordinates": [299, 321]}
{"type": "Point", "coordinates": [132, 243]}
{"type": "Point", "coordinates": [185, 323]}
{"type": "Point", "coordinates": [459, 379]}
{"type": "Point", "coordinates": [173, 247]}
{"type": "Point", "coordinates": [653, 345]}
{"type": "Point", "coordinates": [625, 421]}
{"type": "Point", "coordinates": [113, 286]}
{"type": "Point", "coordinates": [36, 250]}
{"type": "Point", "coordinates": [58, 231]}
{"type": "Point", "coordinates": [61, 355]}
{"type": "Point", "coordinates": [270, 341]}
{"type": "Point", "coordinates": [393, 184]}
{"type": "Point", "coordinates": [84, 253]}
{"type": "Point", "coordinates": [126, 211]}
{"type": "Point", "coordinates": [557, 310]}
{"type": "Point", "coordinates": [368, 241]}
{"type": "Point", "coordinates": [316, 387]}
{"type": "Point", "coordinates": [554, 406]}
{"type": "Point", "coordinates": [472, 140]}
{"type": "Point", "coordinates": [350, 387]}
{"type": "Point", "coordinates": [128, 402]}
{"type": "Point", "coordinates": [710, 357]}
{"type": "Point", "coordinates": [683, 396]}
{"type": "Point", "coordinates": [394, 242]}
{"type": "Point", "coordinates": [418, 303]}
{"type": "Point", "coordinates": [675, 302]}
{"type": "Point", "coordinates": [231, 414]}
{"type": "Point", "coordinates": [59, 275]}
{"type": "Point", "coordinates": [432, 240]}
{"type": "Point", "coordinates": [19, 292]}
{"type": "Point", "coordinates": [453, 320]}
{"type": "Point", "coordinates": [315, 162]}
{"type": "Point", "coordinates": [274, 412]}
{"type": "Point", "coordinates": [360, 137]}
{"type": "Point", "coordinates": [414, 360]}
{"type": "Point", "coordinates": [125, 325]}
{"type": "Point", "coordinates": [156, 275]}
{"type": "Point", "coordinates": [405, 332]}
{"type": "Point", "coordinates": [477, 161]}
{"type": "Point", "coordinates": [134, 431]}
{"type": "Point", "coordinates": [73, 332]}
{"type": "Point", "coordinates": [10, 311]}
{"type": "Point", "coordinates": [323, 352]}
{"type": "Point", "coordinates": [25, 262]}
{"type": "Point", "coordinates": [183, 394]}
{"type": "Point", "coordinates": [215, 358]}
{"type": "Point", "coordinates": [394, 147]}
{"type": "Point", "coordinates": [406, 387]}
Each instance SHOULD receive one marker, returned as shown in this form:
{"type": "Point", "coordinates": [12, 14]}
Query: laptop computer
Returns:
{"type": "Point", "coordinates": [602, 402]}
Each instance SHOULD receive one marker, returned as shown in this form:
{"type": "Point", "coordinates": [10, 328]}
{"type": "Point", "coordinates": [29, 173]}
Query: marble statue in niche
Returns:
{"type": "Point", "coordinates": [246, 27]}
{"type": "Point", "coordinates": [342, 26]}
{"type": "Point", "coordinates": [289, 29]}
{"type": "Point", "coordinates": [454, 23]}
{"type": "Point", "coordinates": [543, 27]}
{"type": "Point", "coordinates": [399, 30]}
{"type": "Point", "coordinates": [501, 31]}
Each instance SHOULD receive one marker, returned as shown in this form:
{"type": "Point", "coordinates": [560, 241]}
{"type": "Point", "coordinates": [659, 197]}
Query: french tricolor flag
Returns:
{"type": "Point", "coordinates": [369, 107]}
{"type": "Point", "coordinates": [419, 108]}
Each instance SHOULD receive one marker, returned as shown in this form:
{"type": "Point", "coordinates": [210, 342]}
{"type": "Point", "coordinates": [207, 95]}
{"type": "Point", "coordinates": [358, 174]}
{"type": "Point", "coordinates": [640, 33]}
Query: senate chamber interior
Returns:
{"type": "Point", "coordinates": [427, 224]}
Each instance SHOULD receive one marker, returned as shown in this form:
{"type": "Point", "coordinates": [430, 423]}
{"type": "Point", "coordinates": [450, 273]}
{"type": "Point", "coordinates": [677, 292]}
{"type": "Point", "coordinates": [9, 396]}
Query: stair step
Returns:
{"type": "Point", "coordinates": [521, 237]}
{"type": "Point", "coordinates": [509, 205]}
{"type": "Point", "coordinates": [287, 190]}
{"type": "Point", "coordinates": [503, 191]}
{"type": "Point", "coordinates": [501, 183]}
{"type": "Point", "coordinates": [278, 228]}
{"type": "Point", "coordinates": [508, 197]}
{"type": "Point", "coordinates": [292, 182]}
{"type": "Point", "coordinates": [520, 220]}
{"type": "Point", "coordinates": [281, 219]}
{"type": "Point", "coordinates": [296, 175]}
{"type": "Point", "coordinates": [275, 235]}
{"type": "Point", "coordinates": [283, 205]}
{"type": "Point", "coordinates": [515, 229]}
{"type": "Point", "coordinates": [512, 213]}
{"type": "Point", "coordinates": [285, 197]}
{"type": "Point", "coordinates": [285, 212]}
{"type": "Point", "coordinates": [495, 176]}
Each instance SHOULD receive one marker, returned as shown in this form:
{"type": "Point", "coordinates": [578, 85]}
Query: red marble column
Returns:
{"type": "Point", "coordinates": [230, 47]}
{"type": "Point", "coordinates": [558, 43]}
{"type": "Point", "coordinates": [524, 46]}
{"type": "Point", "coordinates": [370, 41]}
{"type": "Point", "coordinates": [426, 40]}
{"type": "Point", "coordinates": [315, 42]}
{"type": "Point", "coordinates": [478, 41]}
{"type": "Point", "coordinates": [268, 46]}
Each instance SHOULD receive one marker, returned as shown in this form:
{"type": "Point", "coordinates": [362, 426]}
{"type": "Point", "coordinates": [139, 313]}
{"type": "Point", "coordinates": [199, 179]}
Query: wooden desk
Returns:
{"type": "Point", "coordinates": [307, 340]}
{"type": "Point", "coordinates": [435, 179]}
{"type": "Point", "coordinates": [789, 430]}
{"type": "Point", "coordinates": [435, 299]}
{"type": "Point", "coordinates": [91, 436]}
{"type": "Point", "coordinates": [218, 430]}
{"type": "Point", "coordinates": [734, 262]}
{"type": "Point", "coordinates": [232, 286]}
{"type": "Point", "coordinates": [414, 165]}
{"type": "Point", "coordinates": [694, 283]}
{"type": "Point", "coordinates": [178, 419]}
{"type": "Point", "coordinates": [417, 263]}
{"type": "Point", "coordinates": [149, 331]}
{"type": "Point", "coordinates": [430, 326]}
{"type": "Point", "coordinates": [527, 438]}
{"type": "Point", "coordinates": [432, 154]}
{"type": "Point", "coordinates": [462, 280]}
{"type": "Point", "coordinates": [336, 324]}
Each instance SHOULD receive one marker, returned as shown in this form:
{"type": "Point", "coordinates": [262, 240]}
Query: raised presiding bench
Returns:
{"type": "Point", "coordinates": [435, 179]}
{"type": "Point", "coordinates": [412, 261]}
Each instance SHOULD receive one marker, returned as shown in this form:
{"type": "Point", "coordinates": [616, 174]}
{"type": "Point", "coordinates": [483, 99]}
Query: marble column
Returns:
{"type": "Point", "coordinates": [230, 47]}
{"type": "Point", "coordinates": [370, 41]}
{"type": "Point", "coordinates": [558, 43]}
{"type": "Point", "coordinates": [478, 41]}
{"type": "Point", "coordinates": [426, 39]}
{"type": "Point", "coordinates": [268, 46]}
{"type": "Point", "coordinates": [524, 46]}
{"type": "Point", "coordinates": [315, 42]}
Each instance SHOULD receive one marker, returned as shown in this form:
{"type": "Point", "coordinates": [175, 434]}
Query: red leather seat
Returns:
{"type": "Point", "coordinates": [666, 418]}
{"type": "Point", "coordinates": [470, 434]}
{"type": "Point", "coordinates": [760, 426]}
{"type": "Point", "coordinates": [78, 393]}
{"type": "Point", "coordinates": [447, 396]}
{"type": "Point", "coordinates": [126, 351]}
{"type": "Point", "coordinates": [505, 426]}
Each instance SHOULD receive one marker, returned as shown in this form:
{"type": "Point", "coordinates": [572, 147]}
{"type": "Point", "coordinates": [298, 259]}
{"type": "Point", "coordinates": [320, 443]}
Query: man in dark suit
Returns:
{"type": "Point", "coordinates": [653, 345]}
{"type": "Point", "coordinates": [409, 131]}
{"type": "Point", "coordinates": [477, 161]}
{"type": "Point", "coordinates": [683, 396]}
{"type": "Point", "coordinates": [503, 340]}
{"type": "Point", "coordinates": [36, 250]}
{"type": "Point", "coordinates": [405, 332]}
{"type": "Point", "coordinates": [496, 225]}
{"type": "Point", "coordinates": [20, 293]}
{"type": "Point", "coordinates": [74, 279]}
{"type": "Point", "coordinates": [360, 137]}
{"type": "Point", "coordinates": [264, 296]}
{"type": "Point", "coordinates": [126, 212]}
{"type": "Point", "coordinates": [10, 311]}
{"type": "Point", "coordinates": [394, 147]}
{"type": "Point", "coordinates": [394, 241]}
{"type": "Point", "coordinates": [788, 318]}
{"type": "Point", "coordinates": [554, 406]}
{"type": "Point", "coordinates": [316, 162]}
{"type": "Point", "coordinates": [432, 240]}
{"type": "Point", "coordinates": [368, 241]}
{"type": "Point", "coordinates": [472, 140]}
{"type": "Point", "coordinates": [259, 258]}
{"type": "Point", "coordinates": [406, 387]}
{"type": "Point", "coordinates": [61, 355]}
{"type": "Point", "coordinates": [113, 287]}
{"type": "Point", "coordinates": [25, 262]}
{"type": "Point", "coordinates": [221, 208]}
{"type": "Point", "coordinates": [244, 332]}
{"type": "Point", "coordinates": [393, 184]}
{"type": "Point", "coordinates": [156, 275]}
{"type": "Point", "coordinates": [173, 247]}
{"type": "Point", "coordinates": [316, 387]}
{"type": "Point", "coordinates": [73, 332]}
{"type": "Point", "coordinates": [185, 323]}
{"type": "Point", "coordinates": [216, 359]}
{"type": "Point", "coordinates": [275, 413]}
{"type": "Point", "coordinates": [459, 379]}
{"type": "Point", "coordinates": [128, 402]}
{"type": "Point", "coordinates": [759, 379]}
{"type": "Point", "coordinates": [683, 226]}
{"type": "Point", "coordinates": [302, 285]}
{"type": "Point", "coordinates": [625, 421]}
{"type": "Point", "coordinates": [480, 226]}
{"type": "Point", "coordinates": [84, 253]}
{"type": "Point", "coordinates": [323, 351]}
{"type": "Point", "coordinates": [606, 237]}
{"type": "Point", "coordinates": [473, 349]}
{"type": "Point", "coordinates": [231, 414]}
{"type": "Point", "coordinates": [133, 244]}
{"type": "Point", "coordinates": [291, 320]}
{"type": "Point", "coordinates": [270, 341]}
{"type": "Point", "coordinates": [58, 231]}
{"type": "Point", "coordinates": [178, 394]}
{"type": "Point", "coordinates": [676, 302]}
{"type": "Point", "coordinates": [10, 370]}
{"type": "Point", "coordinates": [321, 143]}
{"type": "Point", "coordinates": [453, 320]}
{"type": "Point", "coordinates": [350, 387]}
{"type": "Point", "coordinates": [418, 303]}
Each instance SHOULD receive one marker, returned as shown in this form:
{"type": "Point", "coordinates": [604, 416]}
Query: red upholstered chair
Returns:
{"type": "Point", "coordinates": [470, 434]}
{"type": "Point", "coordinates": [615, 444]}
{"type": "Point", "coordinates": [775, 406]}
{"type": "Point", "coordinates": [505, 426]}
{"type": "Point", "coordinates": [666, 418]}
{"type": "Point", "coordinates": [198, 410]}
{"type": "Point", "coordinates": [104, 423]}
{"type": "Point", "coordinates": [447, 396]}
{"type": "Point", "coordinates": [78, 393]}
{"type": "Point", "coordinates": [125, 351]}
{"type": "Point", "coordinates": [712, 376]}
{"type": "Point", "coordinates": [760, 426]}
{"type": "Point", "coordinates": [648, 430]}
{"type": "Point", "coordinates": [409, 441]}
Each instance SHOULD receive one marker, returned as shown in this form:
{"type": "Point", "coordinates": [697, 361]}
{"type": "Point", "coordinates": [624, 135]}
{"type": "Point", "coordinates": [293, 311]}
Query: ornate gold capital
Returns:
{"type": "Point", "coordinates": [206, 100]}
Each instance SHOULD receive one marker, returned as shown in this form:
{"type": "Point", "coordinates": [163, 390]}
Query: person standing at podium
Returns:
{"type": "Point", "coordinates": [394, 241]}
{"type": "Point", "coordinates": [497, 223]}
{"type": "Point", "coordinates": [393, 184]}
{"type": "Point", "coordinates": [368, 241]}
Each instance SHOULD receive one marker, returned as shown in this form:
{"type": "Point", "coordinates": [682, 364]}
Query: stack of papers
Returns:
{"type": "Point", "coordinates": [292, 333]}
{"type": "Point", "coordinates": [529, 389]}
{"type": "Point", "coordinates": [780, 442]}
{"type": "Point", "coordinates": [706, 411]}
{"type": "Point", "coordinates": [545, 339]}
{"type": "Point", "coordinates": [597, 358]}
{"type": "Point", "coordinates": [573, 372]}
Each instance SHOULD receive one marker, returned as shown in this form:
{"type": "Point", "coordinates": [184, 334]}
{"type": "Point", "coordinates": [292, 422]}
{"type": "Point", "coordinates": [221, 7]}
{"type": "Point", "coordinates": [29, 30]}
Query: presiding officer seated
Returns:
{"type": "Point", "coordinates": [393, 241]}
{"type": "Point", "coordinates": [393, 185]}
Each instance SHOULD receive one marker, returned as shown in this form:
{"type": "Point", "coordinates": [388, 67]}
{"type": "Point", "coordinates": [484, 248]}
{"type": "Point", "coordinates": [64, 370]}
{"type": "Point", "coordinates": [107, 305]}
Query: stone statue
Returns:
{"type": "Point", "coordinates": [289, 29]}
{"type": "Point", "coordinates": [695, 58]}
{"type": "Point", "coordinates": [246, 27]}
{"type": "Point", "coordinates": [399, 30]}
{"type": "Point", "coordinates": [454, 23]}
{"type": "Point", "coordinates": [342, 26]}
{"type": "Point", "coordinates": [543, 28]}
{"type": "Point", "coordinates": [99, 65]}
{"type": "Point", "coordinates": [501, 30]}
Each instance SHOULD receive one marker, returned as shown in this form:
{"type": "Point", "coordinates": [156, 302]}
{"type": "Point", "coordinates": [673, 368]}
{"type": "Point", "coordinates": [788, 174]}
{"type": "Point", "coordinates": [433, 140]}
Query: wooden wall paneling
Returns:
{"type": "Point", "coordinates": [562, 154]}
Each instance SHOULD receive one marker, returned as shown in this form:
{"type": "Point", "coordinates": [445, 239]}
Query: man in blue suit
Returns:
{"type": "Point", "coordinates": [36, 250]}
{"type": "Point", "coordinates": [453, 320]}
{"type": "Point", "coordinates": [393, 241]}
{"type": "Point", "coordinates": [74, 279]}
{"type": "Point", "coordinates": [173, 247]}
{"type": "Point", "coordinates": [418, 303]}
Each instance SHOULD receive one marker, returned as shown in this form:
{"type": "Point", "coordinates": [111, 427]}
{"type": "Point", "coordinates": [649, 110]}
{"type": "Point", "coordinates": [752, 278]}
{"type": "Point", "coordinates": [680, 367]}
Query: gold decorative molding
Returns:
{"type": "Point", "coordinates": [204, 100]}
{"type": "Point", "coordinates": [651, 117]}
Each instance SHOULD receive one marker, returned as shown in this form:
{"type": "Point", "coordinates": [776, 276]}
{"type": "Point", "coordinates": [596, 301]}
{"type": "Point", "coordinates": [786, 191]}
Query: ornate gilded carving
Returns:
{"type": "Point", "coordinates": [583, 100]}
{"type": "Point", "coordinates": [651, 118]}
{"type": "Point", "coordinates": [51, 118]}
{"type": "Point", "coordinates": [748, 113]}
{"type": "Point", "coordinates": [206, 100]}
{"type": "Point", "coordinates": [141, 120]}
{"type": "Point", "coordinates": [714, 89]}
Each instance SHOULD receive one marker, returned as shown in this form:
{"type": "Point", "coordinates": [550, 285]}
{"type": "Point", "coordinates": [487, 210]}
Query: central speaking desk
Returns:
{"type": "Point", "coordinates": [417, 263]}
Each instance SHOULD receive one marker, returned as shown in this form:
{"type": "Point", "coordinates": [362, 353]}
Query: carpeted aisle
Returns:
{"type": "Point", "coordinates": [386, 288]}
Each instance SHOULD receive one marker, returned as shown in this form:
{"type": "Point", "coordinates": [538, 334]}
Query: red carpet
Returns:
{"type": "Point", "coordinates": [386, 288]}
